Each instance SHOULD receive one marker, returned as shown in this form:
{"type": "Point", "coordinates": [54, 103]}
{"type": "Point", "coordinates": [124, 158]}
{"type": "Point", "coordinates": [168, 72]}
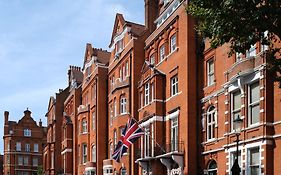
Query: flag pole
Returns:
{"type": "Point", "coordinates": [152, 139]}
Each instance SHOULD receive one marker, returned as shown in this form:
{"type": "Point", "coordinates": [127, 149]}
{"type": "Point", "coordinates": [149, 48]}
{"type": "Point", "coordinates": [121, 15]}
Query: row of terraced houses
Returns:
{"type": "Point", "coordinates": [184, 94]}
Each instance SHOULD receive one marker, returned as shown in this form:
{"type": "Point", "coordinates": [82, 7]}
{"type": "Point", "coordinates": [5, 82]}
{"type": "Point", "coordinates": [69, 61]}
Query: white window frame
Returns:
{"type": "Point", "coordinates": [232, 157]}
{"type": "Point", "coordinates": [152, 92]}
{"type": "Point", "coordinates": [214, 169]}
{"type": "Point", "coordinates": [264, 47]}
{"type": "Point", "coordinates": [27, 132]}
{"type": "Point", "coordinates": [127, 68]}
{"type": "Point", "coordinates": [147, 142]}
{"type": "Point", "coordinates": [238, 56]}
{"type": "Point", "coordinates": [18, 146]}
{"type": "Point", "coordinates": [152, 59]}
{"type": "Point", "coordinates": [210, 73]}
{"type": "Point", "coordinates": [173, 43]}
{"type": "Point", "coordinates": [120, 74]}
{"type": "Point", "coordinates": [35, 161]}
{"type": "Point", "coordinates": [174, 134]}
{"type": "Point", "coordinates": [146, 94]}
{"type": "Point", "coordinates": [25, 160]}
{"type": "Point", "coordinates": [235, 111]}
{"type": "Point", "coordinates": [115, 107]}
{"type": "Point", "coordinates": [174, 85]}
{"type": "Point", "coordinates": [84, 126]}
{"type": "Point", "coordinates": [93, 120]}
{"type": "Point", "coordinates": [20, 160]}
{"type": "Point", "coordinates": [211, 122]}
{"type": "Point", "coordinates": [94, 153]}
{"type": "Point", "coordinates": [84, 153]}
{"type": "Point", "coordinates": [258, 165]}
{"type": "Point", "coordinates": [27, 147]}
{"type": "Point", "coordinates": [252, 51]}
{"type": "Point", "coordinates": [123, 105]}
{"type": "Point", "coordinates": [111, 115]}
{"type": "Point", "coordinates": [162, 52]}
{"type": "Point", "coordinates": [36, 148]}
{"type": "Point", "coordinates": [253, 104]}
{"type": "Point", "coordinates": [94, 92]}
{"type": "Point", "coordinates": [52, 160]}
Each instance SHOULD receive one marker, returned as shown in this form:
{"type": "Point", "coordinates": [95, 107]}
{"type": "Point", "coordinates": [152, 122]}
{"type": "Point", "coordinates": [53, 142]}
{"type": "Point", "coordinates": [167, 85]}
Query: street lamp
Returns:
{"type": "Point", "coordinates": [237, 123]}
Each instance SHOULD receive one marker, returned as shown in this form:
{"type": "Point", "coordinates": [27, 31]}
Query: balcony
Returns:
{"type": "Point", "coordinates": [120, 84]}
{"type": "Point", "coordinates": [244, 66]}
{"type": "Point", "coordinates": [168, 155]}
{"type": "Point", "coordinates": [161, 150]}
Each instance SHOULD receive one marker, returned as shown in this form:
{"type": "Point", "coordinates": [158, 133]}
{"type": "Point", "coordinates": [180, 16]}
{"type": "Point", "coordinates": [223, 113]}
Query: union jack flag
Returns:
{"type": "Point", "coordinates": [129, 135]}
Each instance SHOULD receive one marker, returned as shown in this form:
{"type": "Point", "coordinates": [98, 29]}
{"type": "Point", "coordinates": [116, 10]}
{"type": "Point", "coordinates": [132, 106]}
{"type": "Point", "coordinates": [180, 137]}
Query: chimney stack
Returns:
{"type": "Point", "coordinates": [40, 123]}
{"type": "Point", "coordinates": [6, 115]}
{"type": "Point", "coordinates": [151, 13]}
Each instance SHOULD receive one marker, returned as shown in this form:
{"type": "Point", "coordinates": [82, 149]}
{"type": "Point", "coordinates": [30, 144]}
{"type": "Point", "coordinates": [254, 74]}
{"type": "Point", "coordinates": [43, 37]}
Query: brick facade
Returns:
{"type": "Point", "coordinates": [238, 85]}
{"type": "Point", "coordinates": [23, 145]}
{"type": "Point", "coordinates": [167, 91]}
{"type": "Point", "coordinates": [185, 102]}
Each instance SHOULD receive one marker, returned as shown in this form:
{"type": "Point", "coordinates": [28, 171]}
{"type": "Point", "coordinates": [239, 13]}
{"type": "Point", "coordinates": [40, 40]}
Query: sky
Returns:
{"type": "Point", "coordinates": [39, 39]}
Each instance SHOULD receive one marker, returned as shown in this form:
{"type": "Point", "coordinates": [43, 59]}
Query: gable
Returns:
{"type": "Point", "coordinates": [118, 26]}
{"type": "Point", "coordinates": [52, 102]}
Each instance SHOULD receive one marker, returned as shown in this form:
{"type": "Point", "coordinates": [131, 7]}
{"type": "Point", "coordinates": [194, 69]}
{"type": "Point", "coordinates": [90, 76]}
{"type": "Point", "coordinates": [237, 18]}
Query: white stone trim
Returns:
{"type": "Point", "coordinates": [66, 151]}
{"type": "Point", "coordinates": [151, 120]}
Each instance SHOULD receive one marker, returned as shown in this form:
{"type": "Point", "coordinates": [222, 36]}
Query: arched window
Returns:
{"type": "Point", "coordinates": [211, 122]}
{"type": "Point", "coordinates": [94, 159]}
{"type": "Point", "coordinates": [212, 168]}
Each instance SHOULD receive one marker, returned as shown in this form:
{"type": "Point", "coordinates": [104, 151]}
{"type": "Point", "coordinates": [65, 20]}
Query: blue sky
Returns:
{"type": "Point", "coordinates": [39, 39]}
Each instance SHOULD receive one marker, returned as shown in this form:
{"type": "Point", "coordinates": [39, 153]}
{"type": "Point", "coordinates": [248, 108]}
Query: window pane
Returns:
{"type": "Point", "coordinates": [255, 113]}
{"type": "Point", "coordinates": [255, 92]}
{"type": "Point", "coordinates": [236, 100]}
{"type": "Point", "coordinates": [211, 66]}
{"type": "Point", "coordinates": [254, 156]}
{"type": "Point", "coordinates": [255, 171]}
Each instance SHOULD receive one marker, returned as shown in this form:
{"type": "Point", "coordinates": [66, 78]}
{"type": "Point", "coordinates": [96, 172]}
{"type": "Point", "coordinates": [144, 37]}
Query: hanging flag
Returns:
{"type": "Point", "coordinates": [130, 134]}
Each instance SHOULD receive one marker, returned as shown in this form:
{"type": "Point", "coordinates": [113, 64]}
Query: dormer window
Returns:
{"type": "Point", "coordinates": [27, 132]}
{"type": "Point", "coordinates": [119, 46]}
{"type": "Point", "coordinates": [88, 71]}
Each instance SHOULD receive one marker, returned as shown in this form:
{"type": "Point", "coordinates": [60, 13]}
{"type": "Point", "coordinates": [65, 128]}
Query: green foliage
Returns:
{"type": "Point", "coordinates": [241, 23]}
{"type": "Point", "coordinates": [40, 171]}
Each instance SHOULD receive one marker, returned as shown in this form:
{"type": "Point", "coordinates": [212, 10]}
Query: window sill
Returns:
{"type": "Point", "coordinates": [173, 96]}
{"type": "Point", "coordinates": [122, 114]}
{"type": "Point", "coordinates": [211, 85]}
{"type": "Point", "coordinates": [167, 56]}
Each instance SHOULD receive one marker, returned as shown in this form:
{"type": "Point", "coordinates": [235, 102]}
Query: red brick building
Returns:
{"type": "Point", "coordinates": [52, 151]}
{"type": "Point", "coordinates": [167, 91]}
{"type": "Point", "coordinates": [185, 103]}
{"type": "Point", "coordinates": [69, 124]}
{"type": "Point", "coordinates": [127, 42]}
{"type": "Point", "coordinates": [23, 145]}
{"type": "Point", "coordinates": [91, 122]}
{"type": "Point", "coordinates": [239, 86]}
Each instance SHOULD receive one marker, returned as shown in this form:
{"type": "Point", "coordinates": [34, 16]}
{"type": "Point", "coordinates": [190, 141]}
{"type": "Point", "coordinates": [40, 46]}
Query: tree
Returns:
{"type": "Point", "coordinates": [241, 23]}
{"type": "Point", "coordinates": [40, 171]}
